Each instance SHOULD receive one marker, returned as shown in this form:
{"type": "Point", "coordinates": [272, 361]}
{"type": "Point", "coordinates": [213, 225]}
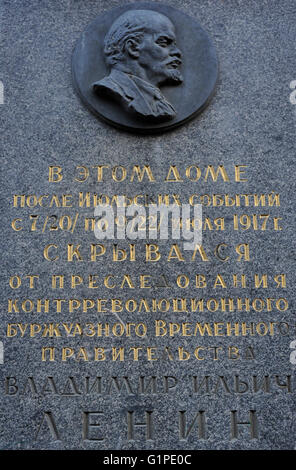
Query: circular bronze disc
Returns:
{"type": "Point", "coordinates": [199, 69]}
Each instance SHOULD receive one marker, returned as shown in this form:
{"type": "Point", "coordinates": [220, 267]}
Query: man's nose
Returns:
{"type": "Point", "coordinates": [175, 51]}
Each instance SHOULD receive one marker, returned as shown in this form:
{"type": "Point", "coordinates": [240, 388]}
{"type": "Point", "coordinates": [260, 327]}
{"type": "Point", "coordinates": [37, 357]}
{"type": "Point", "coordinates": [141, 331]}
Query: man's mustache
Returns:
{"type": "Point", "coordinates": [174, 63]}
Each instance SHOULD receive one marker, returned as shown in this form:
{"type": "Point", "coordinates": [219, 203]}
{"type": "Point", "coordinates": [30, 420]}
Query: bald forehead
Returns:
{"type": "Point", "coordinates": [151, 21]}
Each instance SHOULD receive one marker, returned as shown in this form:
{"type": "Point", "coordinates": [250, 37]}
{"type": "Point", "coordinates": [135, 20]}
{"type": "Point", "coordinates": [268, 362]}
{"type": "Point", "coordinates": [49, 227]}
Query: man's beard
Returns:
{"type": "Point", "coordinates": [170, 76]}
{"type": "Point", "coordinates": [167, 75]}
{"type": "Point", "coordinates": [174, 77]}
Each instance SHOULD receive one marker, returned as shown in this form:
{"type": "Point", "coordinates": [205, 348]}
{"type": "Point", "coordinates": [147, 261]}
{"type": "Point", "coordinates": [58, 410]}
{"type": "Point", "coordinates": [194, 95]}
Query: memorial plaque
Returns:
{"type": "Point", "coordinates": [134, 50]}
{"type": "Point", "coordinates": [148, 277]}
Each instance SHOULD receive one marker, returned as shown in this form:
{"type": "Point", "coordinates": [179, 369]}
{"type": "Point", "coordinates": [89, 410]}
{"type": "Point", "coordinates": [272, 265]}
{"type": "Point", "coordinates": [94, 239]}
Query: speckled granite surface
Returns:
{"type": "Point", "coordinates": [250, 122]}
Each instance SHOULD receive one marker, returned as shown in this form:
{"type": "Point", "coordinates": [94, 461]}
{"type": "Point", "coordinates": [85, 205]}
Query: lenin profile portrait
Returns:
{"type": "Point", "coordinates": [141, 52]}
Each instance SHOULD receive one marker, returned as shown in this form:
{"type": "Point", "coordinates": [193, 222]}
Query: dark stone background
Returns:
{"type": "Point", "coordinates": [250, 121]}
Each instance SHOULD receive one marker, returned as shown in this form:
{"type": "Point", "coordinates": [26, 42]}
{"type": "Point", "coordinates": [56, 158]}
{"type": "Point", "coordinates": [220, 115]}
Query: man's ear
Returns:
{"type": "Point", "coordinates": [132, 48]}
